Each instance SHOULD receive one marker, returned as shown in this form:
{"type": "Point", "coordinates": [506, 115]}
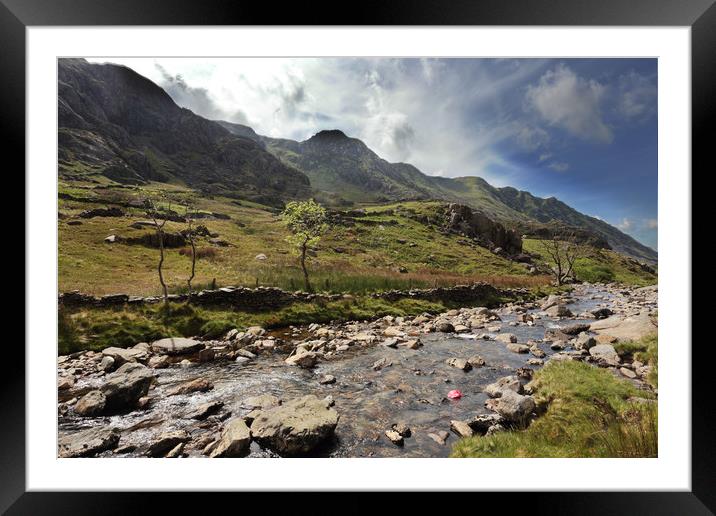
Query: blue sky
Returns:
{"type": "Point", "coordinates": [582, 130]}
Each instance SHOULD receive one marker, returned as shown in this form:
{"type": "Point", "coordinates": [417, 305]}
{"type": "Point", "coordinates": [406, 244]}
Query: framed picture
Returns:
{"type": "Point", "coordinates": [421, 248]}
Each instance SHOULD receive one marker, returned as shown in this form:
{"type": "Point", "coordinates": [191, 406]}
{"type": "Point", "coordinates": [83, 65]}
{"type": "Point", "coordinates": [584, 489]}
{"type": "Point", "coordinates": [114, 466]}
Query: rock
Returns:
{"type": "Point", "coordinates": [535, 361]}
{"type": "Point", "coordinates": [234, 442]}
{"type": "Point", "coordinates": [459, 363]}
{"type": "Point", "coordinates": [627, 372]}
{"type": "Point", "coordinates": [575, 329]}
{"type": "Point", "coordinates": [476, 361]}
{"type": "Point", "coordinates": [260, 257]}
{"type": "Point", "coordinates": [122, 356]}
{"type": "Point", "coordinates": [551, 301]}
{"type": "Point", "coordinates": [327, 379]}
{"type": "Point", "coordinates": [626, 328]}
{"type": "Point", "coordinates": [159, 362]}
{"type": "Point", "coordinates": [601, 313]}
{"type": "Point", "coordinates": [483, 422]}
{"type": "Point", "coordinates": [525, 372]}
{"type": "Point", "coordinates": [584, 341]}
{"type": "Point", "coordinates": [506, 338]}
{"type": "Point", "coordinates": [297, 426]}
{"type": "Point", "coordinates": [88, 443]}
{"type": "Point", "coordinates": [176, 346]}
{"type": "Point", "coordinates": [166, 442]}
{"type": "Point", "coordinates": [444, 327]}
{"type": "Point", "coordinates": [257, 331]}
{"type": "Point", "coordinates": [513, 407]}
{"type": "Point", "coordinates": [605, 353]}
{"type": "Point", "coordinates": [91, 404]}
{"type": "Point", "coordinates": [390, 343]}
{"type": "Point", "coordinates": [557, 346]}
{"type": "Point", "coordinates": [605, 339]}
{"type": "Point", "coordinates": [537, 352]}
{"type": "Point", "coordinates": [393, 331]}
{"type": "Point", "coordinates": [106, 364]}
{"type": "Point", "coordinates": [394, 437]}
{"type": "Point", "coordinates": [518, 348]}
{"type": "Point", "coordinates": [245, 353]}
{"type": "Point", "coordinates": [496, 389]}
{"type": "Point", "coordinates": [112, 239]}
{"type": "Point", "coordinates": [205, 410]}
{"type": "Point", "coordinates": [264, 401]}
{"type": "Point", "coordinates": [559, 311]}
{"type": "Point", "coordinates": [494, 429]}
{"type": "Point", "coordinates": [461, 428]}
{"type": "Point", "coordinates": [196, 385]}
{"type": "Point", "coordinates": [402, 429]}
{"type": "Point", "coordinates": [65, 382]}
{"type": "Point", "coordinates": [175, 452]}
{"type": "Point", "coordinates": [381, 363]}
{"type": "Point", "coordinates": [125, 386]}
{"type": "Point", "coordinates": [413, 344]}
{"type": "Point", "coordinates": [439, 437]}
{"type": "Point", "coordinates": [305, 359]}
{"type": "Point", "coordinates": [461, 328]}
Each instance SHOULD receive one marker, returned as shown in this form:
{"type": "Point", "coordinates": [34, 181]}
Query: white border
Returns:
{"type": "Point", "coordinates": [670, 471]}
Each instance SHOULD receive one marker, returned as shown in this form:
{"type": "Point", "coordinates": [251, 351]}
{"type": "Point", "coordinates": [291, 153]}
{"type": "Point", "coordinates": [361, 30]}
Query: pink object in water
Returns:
{"type": "Point", "coordinates": [455, 395]}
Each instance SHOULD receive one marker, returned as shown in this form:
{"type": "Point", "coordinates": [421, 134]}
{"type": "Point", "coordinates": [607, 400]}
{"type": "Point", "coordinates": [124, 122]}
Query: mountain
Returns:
{"type": "Point", "coordinates": [116, 123]}
{"type": "Point", "coordinates": [346, 169]}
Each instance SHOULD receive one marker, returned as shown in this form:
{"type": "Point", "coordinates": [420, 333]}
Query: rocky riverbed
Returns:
{"type": "Point", "coordinates": [394, 387]}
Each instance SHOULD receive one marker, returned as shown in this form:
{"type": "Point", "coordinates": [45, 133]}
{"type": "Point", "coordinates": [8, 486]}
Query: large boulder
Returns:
{"type": "Point", "coordinates": [166, 442]}
{"type": "Point", "coordinates": [125, 386]}
{"type": "Point", "coordinates": [558, 311]}
{"type": "Point", "coordinates": [506, 383]}
{"type": "Point", "coordinates": [605, 354]}
{"type": "Point", "coordinates": [122, 356]}
{"type": "Point", "coordinates": [514, 407]}
{"type": "Point", "coordinates": [176, 346]}
{"type": "Point", "coordinates": [91, 404]}
{"type": "Point", "coordinates": [88, 443]}
{"type": "Point", "coordinates": [295, 427]}
{"type": "Point", "coordinates": [235, 440]}
{"type": "Point", "coordinates": [625, 328]}
{"type": "Point", "coordinates": [303, 358]}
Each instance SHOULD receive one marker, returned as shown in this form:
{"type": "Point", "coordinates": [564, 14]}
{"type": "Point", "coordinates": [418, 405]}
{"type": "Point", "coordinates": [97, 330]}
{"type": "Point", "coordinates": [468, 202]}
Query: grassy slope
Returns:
{"type": "Point", "coordinates": [371, 252]}
{"type": "Point", "coordinates": [588, 415]}
{"type": "Point", "coordinates": [601, 265]}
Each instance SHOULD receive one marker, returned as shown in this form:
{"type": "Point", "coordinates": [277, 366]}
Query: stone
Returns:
{"type": "Point", "coordinates": [91, 404]}
{"type": "Point", "coordinates": [439, 437]}
{"type": "Point", "coordinates": [327, 379]}
{"type": "Point", "coordinates": [106, 364]}
{"type": "Point", "coordinates": [535, 361]}
{"type": "Point", "coordinates": [394, 437]}
{"type": "Point", "coordinates": [88, 443]}
{"type": "Point", "coordinates": [518, 348]}
{"type": "Point", "coordinates": [305, 359]}
{"type": "Point", "coordinates": [461, 428]}
{"type": "Point", "coordinates": [260, 257]}
{"type": "Point", "coordinates": [402, 429]}
{"type": "Point", "coordinates": [234, 442]}
{"type": "Point", "coordinates": [444, 327]}
{"type": "Point", "coordinates": [65, 382]}
{"type": "Point", "coordinates": [506, 383]}
{"type": "Point", "coordinates": [205, 410]}
{"type": "Point", "coordinates": [461, 328]}
{"type": "Point", "coordinates": [551, 301]}
{"type": "Point", "coordinates": [627, 372]}
{"type": "Point", "coordinates": [264, 401]}
{"type": "Point", "coordinates": [525, 372]}
{"type": "Point", "coordinates": [626, 328]}
{"type": "Point", "coordinates": [196, 385]}
{"type": "Point", "coordinates": [605, 353]}
{"type": "Point", "coordinates": [122, 356]}
{"type": "Point", "coordinates": [514, 407]}
{"type": "Point", "coordinates": [159, 362]}
{"type": "Point", "coordinates": [125, 386]}
{"type": "Point", "coordinates": [257, 331]}
{"type": "Point", "coordinates": [175, 452]}
{"type": "Point", "coordinates": [559, 311]}
{"type": "Point", "coordinates": [601, 313]}
{"type": "Point", "coordinates": [506, 338]}
{"type": "Point", "coordinates": [413, 344]}
{"type": "Point", "coordinates": [482, 422]}
{"type": "Point", "coordinates": [575, 329]}
{"type": "Point", "coordinates": [393, 331]}
{"type": "Point", "coordinates": [166, 442]}
{"type": "Point", "coordinates": [459, 363]}
{"type": "Point", "coordinates": [476, 361]}
{"type": "Point", "coordinates": [245, 353]}
{"type": "Point", "coordinates": [537, 352]}
{"type": "Point", "coordinates": [381, 363]}
{"type": "Point", "coordinates": [176, 346]}
{"type": "Point", "coordinates": [584, 341]}
{"type": "Point", "coordinates": [295, 427]}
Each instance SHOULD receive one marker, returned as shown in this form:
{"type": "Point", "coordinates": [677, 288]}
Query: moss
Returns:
{"type": "Point", "coordinates": [588, 415]}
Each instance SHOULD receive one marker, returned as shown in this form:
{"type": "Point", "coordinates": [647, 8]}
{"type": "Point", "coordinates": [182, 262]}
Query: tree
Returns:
{"type": "Point", "coordinates": [159, 223]}
{"type": "Point", "coordinates": [189, 218]}
{"type": "Point", "coordinates": [307, 221]}
{"type": "Point", "coordinates": [563, 253]}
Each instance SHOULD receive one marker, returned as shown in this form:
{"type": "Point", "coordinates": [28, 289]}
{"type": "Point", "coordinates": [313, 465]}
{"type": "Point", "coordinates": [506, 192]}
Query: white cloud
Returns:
{"type": "Point", "coordinates": [564, 99]}
{"type": "Point", "coordinates": [637, 96]}
{"type": "Point", "coordinates": [626, 224]}
{"type": "Point", "coordinates": [559, 166]}
{"type": "Point", "coordinates": [651, 224]}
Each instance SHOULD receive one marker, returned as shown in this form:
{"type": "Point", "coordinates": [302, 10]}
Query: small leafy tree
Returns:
{"type": "Point", "coordinates": [307, 221]}
{"type": "Point", "coordinates": [563, 252]}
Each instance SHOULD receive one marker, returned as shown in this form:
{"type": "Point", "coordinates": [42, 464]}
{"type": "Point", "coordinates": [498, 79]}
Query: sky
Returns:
{"type": "Point", "coordinates": [581, 130]}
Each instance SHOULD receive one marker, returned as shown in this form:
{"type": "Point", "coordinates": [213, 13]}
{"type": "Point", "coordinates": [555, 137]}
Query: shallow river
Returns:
{"type": "Point", "coordinates": [413, 390]}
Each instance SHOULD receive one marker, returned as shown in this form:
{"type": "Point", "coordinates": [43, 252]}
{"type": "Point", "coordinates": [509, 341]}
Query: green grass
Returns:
{"type": "Point", "coordinates": [645, 350]}
{"type": "Point", "coordinates": [98, 328]}
{"type": "Point", "coordinates": [587, 415]}
{"type": "Point", "coordinates": [600, 266]}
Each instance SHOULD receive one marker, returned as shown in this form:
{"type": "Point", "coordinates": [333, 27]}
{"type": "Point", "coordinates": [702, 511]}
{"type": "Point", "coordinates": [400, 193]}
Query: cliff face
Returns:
{"type": "Point", "coordinates": [475, 224]}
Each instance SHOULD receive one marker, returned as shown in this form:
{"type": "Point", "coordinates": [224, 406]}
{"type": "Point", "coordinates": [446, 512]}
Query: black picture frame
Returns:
{"type": "Point", "coordinates": [700, 15]}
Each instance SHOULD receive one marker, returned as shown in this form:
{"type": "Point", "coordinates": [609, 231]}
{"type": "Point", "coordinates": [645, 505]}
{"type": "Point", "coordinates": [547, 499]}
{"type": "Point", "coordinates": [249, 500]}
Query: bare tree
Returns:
{"type": "Point", "coordinates": [159, 223]}
{"type": "Point", "coordinates": [562, 253]}
{"type": "Point", "coordinates": [189, 217]}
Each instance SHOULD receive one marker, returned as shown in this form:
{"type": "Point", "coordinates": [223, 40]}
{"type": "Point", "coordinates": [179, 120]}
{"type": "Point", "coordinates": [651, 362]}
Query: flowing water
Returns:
{"type": "Point", "coordinates": [413, 390]}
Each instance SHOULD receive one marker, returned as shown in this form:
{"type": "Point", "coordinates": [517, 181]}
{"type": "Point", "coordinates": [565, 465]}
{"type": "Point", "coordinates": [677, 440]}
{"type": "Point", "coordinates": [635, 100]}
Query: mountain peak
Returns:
{"type": "Point", "coordinates": [329, 134]}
